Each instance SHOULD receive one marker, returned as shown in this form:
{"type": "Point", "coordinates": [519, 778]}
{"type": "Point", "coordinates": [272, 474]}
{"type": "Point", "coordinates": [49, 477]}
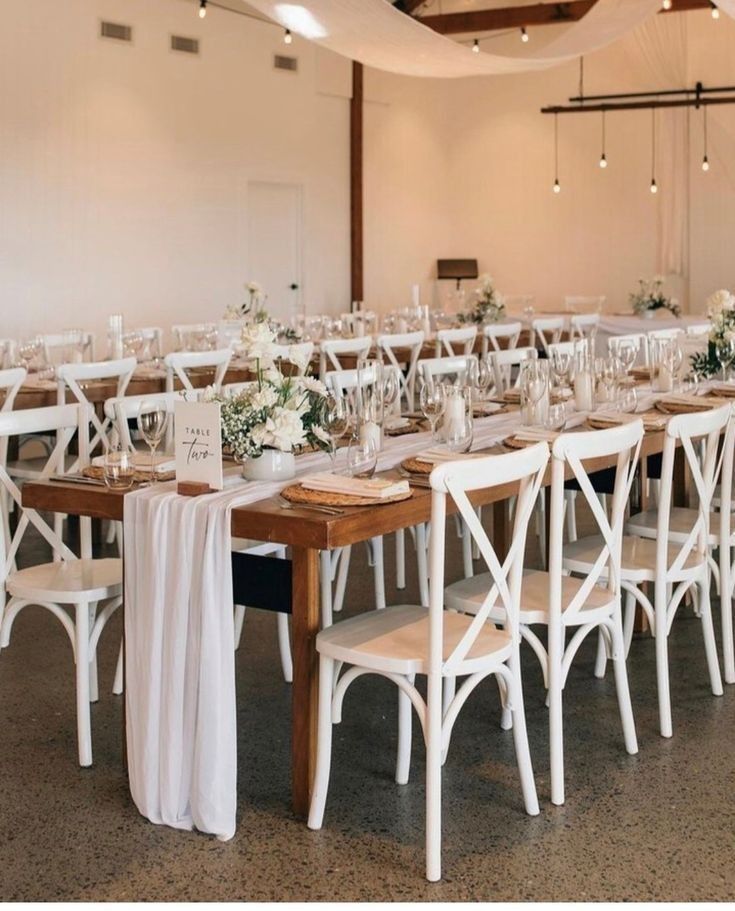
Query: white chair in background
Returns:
{"type": "Point", "coordinates": [506, 367]}
{"type": "Point", "coordinates": [10, 382]}
{"type": "Point", "coordinates": [7, 347]}
{"type": "Point", "coordinates": [636, 340]}
{"type": "Point", "coordinates": [412, 343]}
{"type": "Point", "coordinates": [452, 342]}
{"type": "Point", "coordinates": [400, 642]}
{"type": "Point", "coordinates": [195, 336]}
{"type": "Point", "coordinates": [152, 342]}
{"type": "Point", "coordinates": [360, 322]}
{"type": "Point", "coordinates": [584, 326]}
{"type": "Point", "coordinates": [650, 553]}
{"type": "Point", "coordinates": [584, 304]}
{"type": "Point", "coordinates": [81, 592]}
{"type": "Point", "coordinates": [491, 333]}
{"type": "Point", "coordinates": [330, 351]}
{"type": "Point", "coordinates": [665, 334]}
{"type": "Point", "coordinates": [698, 329]}
{"type": "Point", "coordinates": [56, 347]}
{"type": "Point", "coordinates": [549, 330]}
{"type": "Point", "coordinates": [179, 362]}
{"type": "Point", "coordinates": [572, 347]}
{"type": "Point", "coordinates": [229, 333]}
{"type": "Point", "coordinates": [443, 369]}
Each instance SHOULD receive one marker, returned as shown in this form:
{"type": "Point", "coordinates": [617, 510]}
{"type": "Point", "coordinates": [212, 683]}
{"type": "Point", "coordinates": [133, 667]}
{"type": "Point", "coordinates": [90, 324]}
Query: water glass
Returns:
{"type": "Point", "coordinates": [336, 422]}
{"type": "Point", "coordinates": [118, 469]}
{"type": "Point", "coordinates": [362, 456]}
{"type": "Point", "coordinates": [556, 417]}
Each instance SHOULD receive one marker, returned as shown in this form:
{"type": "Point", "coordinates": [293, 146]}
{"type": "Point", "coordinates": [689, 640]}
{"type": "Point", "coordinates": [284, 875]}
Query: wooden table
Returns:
{"type": "Point", "coordinates": [307, 533]}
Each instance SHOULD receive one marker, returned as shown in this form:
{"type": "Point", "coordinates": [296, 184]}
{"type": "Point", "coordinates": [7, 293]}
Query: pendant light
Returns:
{"type": "Point", "coordinates": [287, 36]}
{"type": "Point", "coordinates": [524, 36]}
{"type": "Point", "coordinates": [202, 8]}
{"type": "Point", "coordinates": [557, 185]}
{"type": "Point", "coordinates": [654, 185]}
{"type": "Point", "coordinates": [715, 12]}
{"type": "Point", "coordinates": [603, 157]}
{"type": "Point", "coordinates": [476, 46]}
{"type": "Point", "coordinates": [666, 5]}
{"type": "Point", "coordinates": [705, 159]}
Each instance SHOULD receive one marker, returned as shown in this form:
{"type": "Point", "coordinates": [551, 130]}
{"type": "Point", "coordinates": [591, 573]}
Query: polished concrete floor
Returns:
{"type": "Point", "coordinates": [659, 825]}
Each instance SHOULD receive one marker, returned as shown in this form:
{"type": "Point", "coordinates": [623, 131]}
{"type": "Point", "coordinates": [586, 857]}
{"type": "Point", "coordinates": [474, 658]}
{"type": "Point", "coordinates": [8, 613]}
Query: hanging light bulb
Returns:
{"type": "Point", "coordinates": [715, 12]}
{"type": "Point", "coordinates": [654, 185]}
{"type": "Point", "coordinates": [476, 46]}
{"type": "Point", "coordinates": [202, 8]}
{"type": "Point", "coordinates": [524, 36]}
{"type": "Point", "coordinates": [557, 185]}
{"type": "Point", "coordinates": [603, 157]}
{"type": "Point", "coordinates": [705, 163]}
{"type": "Point", "coordinates": [705, 159]}
{"type": "Point", "coordinates": [287, 36]}
{"type": "Point", "coordinates": [666, 4]}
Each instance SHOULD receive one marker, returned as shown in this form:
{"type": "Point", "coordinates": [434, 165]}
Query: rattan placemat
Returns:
{"type": "Point", "coordinates": [417, 466]}
{"type": "Point", "coordinates": [415, 425]}
{"type": "Point", "coordinates": [295, 493]}
{"type": "Point", "coordinates": [669, 407]}
{"type": "Point", "coordinates": [139, 477]}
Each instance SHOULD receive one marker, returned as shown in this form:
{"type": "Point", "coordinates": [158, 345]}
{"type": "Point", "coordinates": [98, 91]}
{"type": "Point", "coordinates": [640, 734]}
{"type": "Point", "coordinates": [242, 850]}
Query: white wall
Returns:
{"type": "Point", "coordinates": [123, 169]}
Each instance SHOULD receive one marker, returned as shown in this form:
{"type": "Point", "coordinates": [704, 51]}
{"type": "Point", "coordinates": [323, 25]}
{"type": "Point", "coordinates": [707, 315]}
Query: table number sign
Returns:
{"type": "Point", "coordinates": [198, 444]}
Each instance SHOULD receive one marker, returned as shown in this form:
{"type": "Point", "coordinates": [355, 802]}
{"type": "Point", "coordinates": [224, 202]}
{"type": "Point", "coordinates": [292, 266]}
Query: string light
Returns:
{"type": "Point", "coordinates": [287, 36]}
{"type": "Point", "coordinates": [524, 35]}
{"type": "Point", "coordinates": [603, 157]}
{"type": "Point", "coordinates": [654, 185]}
{"type": "Point", "coordinates": [666, 4]}
{"type": "Point", "coordinates": [476, 46]}
{"type": "Point", "coordinates": [557, 185]}
{"type": "Point", "coordinates": [202, 8]}
{"type": "Point", "coordinates": [705, 159]}
{"type": "Point", "coordinates": [715, 12]}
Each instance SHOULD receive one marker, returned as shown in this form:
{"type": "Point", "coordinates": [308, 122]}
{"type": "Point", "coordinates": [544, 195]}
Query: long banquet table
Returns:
{"type": "Point", "coordinates": [266, 520]}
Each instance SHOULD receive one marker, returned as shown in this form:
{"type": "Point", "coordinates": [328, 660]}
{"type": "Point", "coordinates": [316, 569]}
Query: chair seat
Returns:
{"type": "Point", "coordinates": [69, 581]}
{"type": "Point", "coordinates": [396, 640]}
{"type": "Point", "coordinates": [682, 520]}
{"type": "Point", "coordinates": [638, 558]}
{"type": "Point", "coordinates": [467, 595]}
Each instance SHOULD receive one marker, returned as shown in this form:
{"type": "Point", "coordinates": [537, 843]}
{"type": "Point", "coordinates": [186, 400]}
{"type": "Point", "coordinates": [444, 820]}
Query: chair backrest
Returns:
{"type": "Point", "coordinates": [503, 362]}
{"type": "Point", "coordinates": [331, 349]}
{"type": "Point", "coordinates": [56, 345]}
{"type": "Point", "coordinates": [726, 480]}
{"type": "Point", "coordinates": [443, 368]}
{"type": "Point", "coordinates": [72, 376]}
{"type": "Point", "coordinates": [584, 325]}
{"type": "Point", "coordinates": [298, 354]}
{"type": "Point", "coordinates": [10, 382]}
{"type": "Point", "coordinates": [194, 336]}
{"type": "Point", "coordinates": [698, 329]}
{"type": "Point", "coordinates": [455, 341]}
{"type": "Point", "coordinates": [344, 383]}
{"type": "Point", "coordinates": [698, 435]}
{"type": "Point", "coordinates": [570, 451]}
{"type": "Point", "coordinates": [665, 333]}
{"type": "Point", "coordinates": [548, 329]}
{"type": "Point", "coordinates": [572, 347]}
{"type": "Point", "coordinates": [511, 332]}
{"type": "Point", "coordinates": [152, 338]}
{"type": "Point", "coordinates": [584, 304]}
{"type": "Point", "coordinates": [455, 480]}
{"type": "Point", "coordinates": [178, 362]}
{"type": "Point", "coordinates": [411, 343]}
{"type": "Point", "coordinates": [120, 410]}
{"type": "Point", "coordinates": [636, 340]}
{"type": "Point", "coordinates": [66, 421]}
{"type": "Point", "coordinates": [7, 346]}
{"type": "Point", "coordinates": [229, 332]}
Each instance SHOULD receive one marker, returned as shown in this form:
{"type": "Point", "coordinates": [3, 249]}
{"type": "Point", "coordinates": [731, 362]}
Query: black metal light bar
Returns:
{"type": "Point", "coordinates": [637, 105]}
{"type": "Point", "coordinates": [699, 89]}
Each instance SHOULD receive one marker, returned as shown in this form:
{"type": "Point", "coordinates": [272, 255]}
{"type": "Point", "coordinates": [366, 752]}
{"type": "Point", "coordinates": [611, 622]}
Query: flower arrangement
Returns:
{"type": "Point", "coordinates": [255, 303]}
{"type": "Point", "coordinates": [488, 308]}
{"type": "Point", "coordinates": [275, 411]}
{"type": "Point", "coordinates": [650, 297]}
{"type": "Point", "coordinates": [721, 312]}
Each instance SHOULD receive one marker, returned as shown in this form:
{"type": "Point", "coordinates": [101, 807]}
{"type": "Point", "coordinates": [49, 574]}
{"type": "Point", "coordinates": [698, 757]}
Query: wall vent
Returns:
{"type": "Point", "coordinates": [281, 62]}
{"type": "Point", "coordinates": [116, 31]}
{"type": "Point", "coordinates": [185, 45]}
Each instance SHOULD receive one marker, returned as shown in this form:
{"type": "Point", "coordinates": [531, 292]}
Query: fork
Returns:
{"type": "Point", "coordinates": [327, 510]}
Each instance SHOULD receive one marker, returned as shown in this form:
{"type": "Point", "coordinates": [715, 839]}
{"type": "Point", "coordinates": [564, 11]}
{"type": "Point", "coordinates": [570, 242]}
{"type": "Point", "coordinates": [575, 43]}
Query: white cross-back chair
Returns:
{"type": "Point", "coordinates": [584, 326]}
{"type": "Point", "coordinates": [549, 330]}
{"type": "Point", "coordinates": [563, 603]}
{"type": "Point", "coordinates": [400, 642]}
{"type": "Point", "coordinates": [152, 341]}
{"type": "Point", "coordinates": [636, 340]}
{"type": "Point", "coordinates": [506, 367]}
{"type": "Point", "coordinates": [412, 343]}
{"type": "Point", "coordinates": [674, 567]}
{"type": "Point", "coordinates": [572, 347]}
{"type": "Point", "coordinates": [72, 377]}
{"type": "Point", "coordinates": [81, 592]}
{"type": "Point", "coordinates": [493, 332]}
{"type": "Point", "coordinates": [179, 362]}
{"type": "Point", "coordinates": [55, 347]}
{"type": "Point", "coordinates": [583, 305]}
{"type": "Point", "coordinates": [449, 369]}
{"type": "Point", "coordinates": [10, 382]}
{"type": "Point", "coordinates": [195, 336]}
{"type": "Point", "coordinates": [359, 323]}
{"type": "Point", "coordinates": [330, 351]}
{"type": "Point", "coordinates": [451, 342]}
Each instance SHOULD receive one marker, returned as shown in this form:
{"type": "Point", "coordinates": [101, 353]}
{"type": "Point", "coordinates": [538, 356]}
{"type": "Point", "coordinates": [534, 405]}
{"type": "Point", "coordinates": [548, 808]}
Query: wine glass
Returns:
{"type": "Point", "coordinates": [152, 421]}
{"type": "Point", "coordinates": [561, 366]}
{"type": "Point", "coordinates": [627, 355]}
{"type": "Point", "coordinates": [362, 456]}
{"type": "Point", "coordinates": [133, 344]}
{"type": "Point", "coordinates": [118, 469]}
{"type": "Point", "coordinates": [336, 422]}
{"type": "Point", "coordinates": [533, 385]}
{"type": "Point", "coordinates": [478, 377]}
{"type": "Point", "coordinates": [628, 401]}
{"type": "Point", "coordinates": [556, 417]}
{"type": "Point", "coordinates": [432, 399]}
{"type": "Point", "coordinates": [29, 350]}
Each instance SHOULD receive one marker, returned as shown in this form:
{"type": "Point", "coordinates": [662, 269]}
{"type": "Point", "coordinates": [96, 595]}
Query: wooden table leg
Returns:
{"type": "Point", "coordinates": [501, 528]}
{"type": "Point", "coordinates": [304, 690]}
{"type": "Point", "coordinates": [679, 479]}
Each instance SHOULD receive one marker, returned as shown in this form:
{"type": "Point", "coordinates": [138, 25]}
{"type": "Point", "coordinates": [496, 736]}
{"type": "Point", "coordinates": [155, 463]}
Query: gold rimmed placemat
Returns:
{"type": "Point", "coordinates": [97, 472]}
{"type": "Point", "coordinates": [295, 493]}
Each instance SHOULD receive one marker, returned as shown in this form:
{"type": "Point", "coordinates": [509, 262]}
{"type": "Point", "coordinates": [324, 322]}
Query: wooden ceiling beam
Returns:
{"type": "Point", "coordinates": [490, 20]}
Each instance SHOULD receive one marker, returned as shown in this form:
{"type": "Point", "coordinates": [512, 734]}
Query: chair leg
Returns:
{"type": "Point", "coordinates": [434, 778]}
{"type": "Point", "coordinates": [405, 730]}
{"type": "Point", "coordinates": [662, 662]}
{"type": "Point", "coordinates": [520, 737]}
{"type": "Point", "coordinates": [422, 564]}
{"type": "Point", "coordinates": [630, 603]}
{"type": "Point", "coordinates": [541, 526]}
{"type": "Point", "coordinates": [84, 721]}
{"type": "Point", "coordinates": [728, 645]}
{"type": "Point", "coordinates": [239, 621]}
{"type": "Point", "coordinates": [94, 694]}
{"type": "Point", "coordinates": [378, 572]}
{"type": "Point", "coordinates": [117, 686]}
{"type": "Point", "coordinates": [325, 585]}
{"type": "Point", "coordinates": [571, 514]}
{"type": "Point", "coordinates": [556, 729]}
{"type": "Point", "coordinates": [710, 645]}
{"type": "Point", "coordinates": [324, 744]}
{"type": "Point", "coordinates": [448, 693]}
{"type": "Point", "coordinates": [467, 541]}
{"type": "Point", "coordinates": [401, 558]}
{"type": "Point", "coordinates": [284, 647]}
{"type": "Point", "coordinates": [601, 659]}
{"type": "Point", "coordinates": [621, 685]}
{"type": "Point", "coordinates": [341, 583]}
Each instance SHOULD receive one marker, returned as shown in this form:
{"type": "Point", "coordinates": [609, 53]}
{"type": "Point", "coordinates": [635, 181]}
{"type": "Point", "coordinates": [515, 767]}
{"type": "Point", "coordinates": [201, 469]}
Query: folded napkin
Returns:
{"type": "Point", "coordinates": [438, 454]}
{"type": "Point", "coordinates": [726, 390]}
{"type": "Point", "coordinates": [162, 462]}
{"type": "Point", "coordinates": [377, 488]}
{"type": "Point", "coordinates": [396, 423]}
{"type": "Point", "coordinates": [536, 435]}
{"type": "Point", "coordinates": [483, 408]}
{"type": "Point", "coordinates": [651, 420]}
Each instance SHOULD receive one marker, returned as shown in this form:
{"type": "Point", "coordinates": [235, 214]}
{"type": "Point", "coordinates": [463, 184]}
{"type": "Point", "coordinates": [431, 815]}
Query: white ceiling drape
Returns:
{"type": "Point", "coordinates": [378, 35]}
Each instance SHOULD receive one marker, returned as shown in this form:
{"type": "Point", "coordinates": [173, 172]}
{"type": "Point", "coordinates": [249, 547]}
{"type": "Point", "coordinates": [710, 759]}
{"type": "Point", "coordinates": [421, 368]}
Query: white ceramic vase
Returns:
{"type": "Point", "coordinates": [271, 465]}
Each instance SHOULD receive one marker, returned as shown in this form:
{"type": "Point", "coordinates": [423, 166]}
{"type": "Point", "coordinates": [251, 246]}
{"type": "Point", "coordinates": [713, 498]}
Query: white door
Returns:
{"type": "Point", "coordinates": [274, 245]}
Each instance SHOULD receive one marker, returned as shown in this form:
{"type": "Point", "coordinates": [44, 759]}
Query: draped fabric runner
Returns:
{"type": "Point", "coordinates": [375, 33]}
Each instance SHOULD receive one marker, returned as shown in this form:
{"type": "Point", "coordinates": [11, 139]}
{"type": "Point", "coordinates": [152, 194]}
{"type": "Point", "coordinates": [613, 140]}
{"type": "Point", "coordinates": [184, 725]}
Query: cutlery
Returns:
{"type": "Point", "coordinates": [327, 510]}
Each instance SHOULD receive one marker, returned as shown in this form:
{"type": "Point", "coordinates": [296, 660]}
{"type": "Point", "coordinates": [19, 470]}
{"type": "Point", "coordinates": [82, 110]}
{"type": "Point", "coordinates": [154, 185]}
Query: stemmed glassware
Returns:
{"type": "Point", "coordinates": [479, 377]}
{"type": "Point", "coordinates": [152, 423]}
{"type": "Point", "coordinates": [133, 343]}
{"type": "Point", "coordinates": [29, 351]}
{"type": "Point", "coordinates": [433, 400]}
{"type": "Point", "coordinates": [562, 364]}
{"type": "Point", "coordinates": [534, 386]}
{"type": "Point", "coordinates": [336, 423]}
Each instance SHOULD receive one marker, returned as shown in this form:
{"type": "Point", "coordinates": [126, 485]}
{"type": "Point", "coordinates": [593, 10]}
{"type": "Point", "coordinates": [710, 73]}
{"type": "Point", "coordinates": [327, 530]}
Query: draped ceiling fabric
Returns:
{"type": "Point", "coordinates": [378, 35]}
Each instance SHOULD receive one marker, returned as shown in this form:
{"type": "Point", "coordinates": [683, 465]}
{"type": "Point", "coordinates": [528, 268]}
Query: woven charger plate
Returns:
{"type": "Point", "coordinates": [139, 477]}
{"type": "Point", "coordinates": [415, 425]}
{"type": "Point", "coordinates": [417, 466]}
{"type": "Point", "coordinates": [651, 421]}
{"type": "Point", "coordinates": [295, 493]}
{"type": "Point", "coordinates": [681, 408]}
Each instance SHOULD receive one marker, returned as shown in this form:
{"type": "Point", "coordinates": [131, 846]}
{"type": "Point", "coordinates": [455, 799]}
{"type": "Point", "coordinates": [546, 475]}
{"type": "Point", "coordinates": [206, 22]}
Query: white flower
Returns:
{"type": "Point", "coordinates": [298, 356]}
{"type": "Point", "coordinates": [259, 342]}
{"type": "Point", "coordinates": [285, 430]}
{"type": "Point", "coordinates": [321, 434]}
{"type": "Point", "coordinates": [254, 289]}
{"type": "Point", "coordinates": [729, 336]}
{"type": "Point", "coordinates": [312, 384]}
{"type": "Point", "coordinates": [264, 398]}
{"type": "Point", "coordinates": [209, 394]}
{"type": "Point", "coordinates": [259, 435]}
{"type": "Point", "coordinates": [658, 279]}
{"type": "Point", "coordinates": [719, 301]}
